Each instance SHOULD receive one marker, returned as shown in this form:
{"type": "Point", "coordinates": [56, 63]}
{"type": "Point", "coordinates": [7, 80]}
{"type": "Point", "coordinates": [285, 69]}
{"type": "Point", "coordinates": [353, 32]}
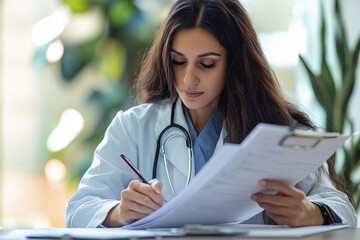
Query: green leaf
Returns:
{"type": "Point", "coordinates": [324, 86]}
{"type": "Point", "coordinates": [357, 144]}
{"type": "Point", "coordinates": [340, 38]}
{"type": "Point", "coordinates": [332, 97]}
{"type": "Point", "coordinates": [347, 167]}
{"type": "Point", "coordinates": [314, 82]}
{"type": "Point", "coordinates": [320, 89]}
{"type": "Point", "coordinates": [328, 83]}
{"type": "Point", "coordinates": [121, 12]}
{"type": "Point", "coordinates": [322, 33]}
{"type": "Point", "coordinates": [77, 6]}
{"type": "Point", "coordinates": [352, 139]}
{"type": "Point", "coordinates": [355, 55]}
{"type": "Point", "coordinates": [350, 77]}
{"type": "Point", "coordinates": [348, 86]}
{"type": "Point", "coordinates": [112, 59]}
{"type": "Point", "coordinates": [356, 149]}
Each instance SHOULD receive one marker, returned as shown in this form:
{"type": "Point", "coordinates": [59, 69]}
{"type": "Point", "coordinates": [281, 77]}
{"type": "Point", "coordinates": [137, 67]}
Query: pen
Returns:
{"type": "Point", "coordinates": [133, 168]}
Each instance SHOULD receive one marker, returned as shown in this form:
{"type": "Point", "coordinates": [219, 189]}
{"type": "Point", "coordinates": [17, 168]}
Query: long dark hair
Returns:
{"type": "Point", "coordinates": [251, 94]}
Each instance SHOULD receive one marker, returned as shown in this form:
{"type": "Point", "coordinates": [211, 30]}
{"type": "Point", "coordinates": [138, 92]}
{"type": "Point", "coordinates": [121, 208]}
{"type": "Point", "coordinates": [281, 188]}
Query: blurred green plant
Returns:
{"type": "Point", "coordinates": [116, 53]}
{"type": "Point", "coordinates": [334, 96]}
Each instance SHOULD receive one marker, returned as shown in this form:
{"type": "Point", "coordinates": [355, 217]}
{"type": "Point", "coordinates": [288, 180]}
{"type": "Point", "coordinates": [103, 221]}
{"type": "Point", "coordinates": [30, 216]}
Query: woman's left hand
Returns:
{"type": "Point", "coordinates": [289, 206]}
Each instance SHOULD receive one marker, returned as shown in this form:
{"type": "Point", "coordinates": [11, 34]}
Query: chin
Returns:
{"type": "Point", "coordinates": [192, 104]}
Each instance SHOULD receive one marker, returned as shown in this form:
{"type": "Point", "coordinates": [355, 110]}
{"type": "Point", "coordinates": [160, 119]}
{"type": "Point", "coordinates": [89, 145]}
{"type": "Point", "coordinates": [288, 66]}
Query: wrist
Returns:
{"type": "Point", "coordinates": [326, 214]}
{"type": "Point", "coordinates": [319, 218]}
{"type": "Point", "coordinates": [113, 218]}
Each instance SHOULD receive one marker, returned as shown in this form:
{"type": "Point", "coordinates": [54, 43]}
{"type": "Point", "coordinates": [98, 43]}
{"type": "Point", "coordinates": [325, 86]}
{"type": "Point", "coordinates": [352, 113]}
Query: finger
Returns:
{"type": "Point", "coordinates": [279, 186]}
{"type": "Point", "coordinates": [127, 205]}
{"type": "Point", "coordinates": [279, 210]}
{"type": "Point", "coordinates": [273, 199]}
{"type": "Point", "coordinates": [134, 196]}
{"type": "Point", "coordinates": [131, 216]}
{"type": "Point", "coordinates": [292, 222]}
{"type": "Point", "coordinates": [278, 218]}
{"type": "Point", "coordinates": [156, 185]}
{"type": "Point", "coordinates": [148, 191]}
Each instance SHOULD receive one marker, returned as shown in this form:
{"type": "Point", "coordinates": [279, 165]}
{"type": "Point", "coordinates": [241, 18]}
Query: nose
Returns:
{"type": "Point", "coordinates": [190, 77]}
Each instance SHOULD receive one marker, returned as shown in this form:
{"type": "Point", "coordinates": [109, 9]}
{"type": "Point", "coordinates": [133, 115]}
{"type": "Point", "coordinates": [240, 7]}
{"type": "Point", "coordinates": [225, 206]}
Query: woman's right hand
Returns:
{"type": "Point", "coordinates": [137, 201]}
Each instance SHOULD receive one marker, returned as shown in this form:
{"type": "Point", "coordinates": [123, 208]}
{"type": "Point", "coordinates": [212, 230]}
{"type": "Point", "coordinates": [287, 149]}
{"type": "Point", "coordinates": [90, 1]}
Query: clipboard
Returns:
{"type": "Point", "coordinates": [305, 139]}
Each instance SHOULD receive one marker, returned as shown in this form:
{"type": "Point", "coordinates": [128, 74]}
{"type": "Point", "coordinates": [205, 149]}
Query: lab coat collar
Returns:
{"type": "Point", "coordinates": [164, 119]}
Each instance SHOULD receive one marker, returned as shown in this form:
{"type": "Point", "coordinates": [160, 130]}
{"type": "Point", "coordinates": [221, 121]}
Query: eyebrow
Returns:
{"type": "Point", "coordinates": [199, 56]}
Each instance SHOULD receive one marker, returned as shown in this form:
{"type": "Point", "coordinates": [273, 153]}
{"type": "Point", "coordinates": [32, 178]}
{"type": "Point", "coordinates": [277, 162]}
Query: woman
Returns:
{"type": "Point", "coordinates": [206, 72]}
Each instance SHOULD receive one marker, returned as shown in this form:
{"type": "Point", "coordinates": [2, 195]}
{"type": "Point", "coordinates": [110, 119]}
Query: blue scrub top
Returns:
{"type": "Point", "coordinates": [204, 144]}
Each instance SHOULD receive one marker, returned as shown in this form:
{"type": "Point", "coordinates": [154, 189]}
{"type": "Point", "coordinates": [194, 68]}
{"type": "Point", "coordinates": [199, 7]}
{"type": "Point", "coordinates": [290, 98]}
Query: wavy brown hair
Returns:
{"type": "Point", "coordinates": [251, 94]}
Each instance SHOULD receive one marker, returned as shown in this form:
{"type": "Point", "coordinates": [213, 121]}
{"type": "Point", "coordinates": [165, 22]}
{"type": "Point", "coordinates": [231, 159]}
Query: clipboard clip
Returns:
{"type": "Point", "coordinates": [305, 139]}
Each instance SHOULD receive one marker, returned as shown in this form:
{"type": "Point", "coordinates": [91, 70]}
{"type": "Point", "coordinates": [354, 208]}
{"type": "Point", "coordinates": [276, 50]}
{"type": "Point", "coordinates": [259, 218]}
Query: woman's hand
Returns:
{"type": "Point", "coordinates": [137, 201]}
{"type": "Point", "coordinates": [289, 206]}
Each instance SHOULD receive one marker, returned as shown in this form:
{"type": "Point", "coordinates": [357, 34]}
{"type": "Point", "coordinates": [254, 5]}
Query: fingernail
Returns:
{"type": "Point", "coordinates": [157, 190]}
{"type": "Point", "coordinates": [163, 203]}
{"type": "Point", "coordinates": [262, 183]}
{"type": "Point", "coordinates": [254, 197]}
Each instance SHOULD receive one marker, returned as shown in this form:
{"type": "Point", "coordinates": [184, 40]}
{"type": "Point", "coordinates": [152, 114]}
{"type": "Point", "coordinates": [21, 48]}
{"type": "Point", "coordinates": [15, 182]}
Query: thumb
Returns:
{"type": "Point", "coordinates": [156, 185]}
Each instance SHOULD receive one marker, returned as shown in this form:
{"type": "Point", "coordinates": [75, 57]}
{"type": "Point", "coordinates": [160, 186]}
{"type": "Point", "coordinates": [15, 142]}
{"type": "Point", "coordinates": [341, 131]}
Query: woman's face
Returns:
{"type": "Point", "coordinates": [199, 66]}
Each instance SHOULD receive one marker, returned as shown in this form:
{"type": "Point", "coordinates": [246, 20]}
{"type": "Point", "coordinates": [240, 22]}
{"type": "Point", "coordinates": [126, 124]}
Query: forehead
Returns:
{"type": "Point", "coordinates": [196, 41]}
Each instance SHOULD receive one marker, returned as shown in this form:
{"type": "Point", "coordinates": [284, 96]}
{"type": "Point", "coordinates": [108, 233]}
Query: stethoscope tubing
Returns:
{"type": "Point", "coordinates": [158, 143]}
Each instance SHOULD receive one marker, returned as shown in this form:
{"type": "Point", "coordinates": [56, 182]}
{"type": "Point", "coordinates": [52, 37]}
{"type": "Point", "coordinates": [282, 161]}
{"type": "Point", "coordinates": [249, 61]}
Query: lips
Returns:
{"type": "Point", "coordinates": [192, 94]}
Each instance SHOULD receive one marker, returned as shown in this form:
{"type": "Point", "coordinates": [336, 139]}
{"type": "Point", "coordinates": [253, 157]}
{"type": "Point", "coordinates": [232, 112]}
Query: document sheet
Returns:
{"type": "Point", "coordinates": [247, 230]}
{"type": "Point", "coordinates": [257, 230]}
{"type": "Point", "coordinates": [85, 233]}
{"type": "Point", "coordinates": [221, 191]}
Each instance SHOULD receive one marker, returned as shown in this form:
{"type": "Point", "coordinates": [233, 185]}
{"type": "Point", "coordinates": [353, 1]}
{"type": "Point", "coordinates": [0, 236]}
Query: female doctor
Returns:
{"type": "Point", "coordinates": [205, 81]}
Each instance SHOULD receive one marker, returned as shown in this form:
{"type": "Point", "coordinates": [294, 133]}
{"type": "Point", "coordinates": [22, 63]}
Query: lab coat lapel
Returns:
{"type": "Point", "coordinates": [220, 141]}
{"type": "Point", "coordinates": [176, 152]}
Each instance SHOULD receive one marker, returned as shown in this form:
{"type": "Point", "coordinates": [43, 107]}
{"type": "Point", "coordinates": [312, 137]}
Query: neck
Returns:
{"type": "Point", "coordinates": [199, 119]}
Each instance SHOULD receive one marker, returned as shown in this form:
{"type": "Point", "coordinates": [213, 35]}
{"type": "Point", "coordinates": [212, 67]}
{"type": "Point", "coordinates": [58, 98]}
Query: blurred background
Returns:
{"type": "Point", "coordinates": [67, 67]}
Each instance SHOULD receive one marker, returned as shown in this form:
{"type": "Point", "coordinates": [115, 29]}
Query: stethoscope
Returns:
{"type": "Point", "coordinates": [158, 146]}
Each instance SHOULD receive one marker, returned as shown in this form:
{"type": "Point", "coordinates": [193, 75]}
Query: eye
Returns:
{"type": "Point", "coordinates": [208, 65]}
{"type": "Point", "coordinates": [177, 62]}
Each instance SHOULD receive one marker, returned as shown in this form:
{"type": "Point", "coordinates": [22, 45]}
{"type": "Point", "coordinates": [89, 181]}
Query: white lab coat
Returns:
{"type": "Point", "coordinates": [134, 133]}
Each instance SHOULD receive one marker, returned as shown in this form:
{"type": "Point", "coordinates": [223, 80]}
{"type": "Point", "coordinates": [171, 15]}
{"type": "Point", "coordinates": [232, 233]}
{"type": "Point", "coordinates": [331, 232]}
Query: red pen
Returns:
{"type": "Point", "coordinates": [133, 168]}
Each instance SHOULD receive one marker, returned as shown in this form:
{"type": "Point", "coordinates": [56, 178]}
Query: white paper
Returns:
{"type": "Point", "coordinates": [108, 233]}
{"type": "Point", "coordinates": [221, 191]}
{"type": "Point", "coordinates": [257, 230]}
{"type": "Point", "coordinates": [89, 233]}
{"type": "Point", "coordinates": [294, 232]}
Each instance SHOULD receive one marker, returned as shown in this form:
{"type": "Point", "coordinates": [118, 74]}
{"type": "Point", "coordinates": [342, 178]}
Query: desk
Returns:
{"type": "Point", "coordinates": [345, 234]}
